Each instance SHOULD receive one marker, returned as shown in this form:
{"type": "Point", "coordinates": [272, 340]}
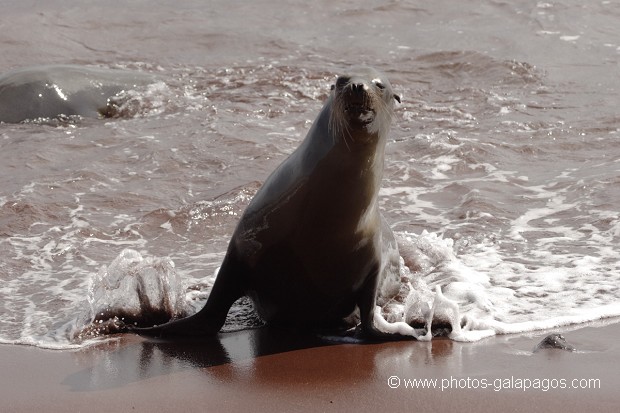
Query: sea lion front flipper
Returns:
{"type": "Point", "coordinates": [367, 330]}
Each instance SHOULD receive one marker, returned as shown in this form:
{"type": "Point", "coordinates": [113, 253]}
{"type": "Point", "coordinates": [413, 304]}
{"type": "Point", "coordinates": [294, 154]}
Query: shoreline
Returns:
{"type": "Point", "coordinates": [271, 370]}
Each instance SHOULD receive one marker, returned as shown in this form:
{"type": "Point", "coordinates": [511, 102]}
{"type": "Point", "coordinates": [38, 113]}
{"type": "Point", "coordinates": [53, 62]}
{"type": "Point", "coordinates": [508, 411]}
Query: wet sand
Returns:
{"type": "Point", "coordinates": [270, 370]}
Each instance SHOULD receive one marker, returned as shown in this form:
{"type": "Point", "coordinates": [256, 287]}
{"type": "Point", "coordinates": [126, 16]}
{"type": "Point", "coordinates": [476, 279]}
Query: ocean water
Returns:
{"type": "Point", "coordinates": [502, 177]}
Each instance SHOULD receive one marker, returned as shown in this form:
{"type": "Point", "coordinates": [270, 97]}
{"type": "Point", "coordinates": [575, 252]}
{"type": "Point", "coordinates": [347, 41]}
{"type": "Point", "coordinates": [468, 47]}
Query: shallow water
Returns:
{"type": "Point", "coordinates": [502, 172]}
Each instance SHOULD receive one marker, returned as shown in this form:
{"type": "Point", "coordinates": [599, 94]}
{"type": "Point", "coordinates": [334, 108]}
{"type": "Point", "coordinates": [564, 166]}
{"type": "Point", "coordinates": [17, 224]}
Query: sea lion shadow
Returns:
{"type": "Point", "coordinates": [146, 359]}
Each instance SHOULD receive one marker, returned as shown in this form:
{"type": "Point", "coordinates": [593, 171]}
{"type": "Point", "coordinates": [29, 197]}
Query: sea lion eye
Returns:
{"type": "Point", "coordinates": [378, 83]}
{"type": "Point", "coordinates": [342, 82]}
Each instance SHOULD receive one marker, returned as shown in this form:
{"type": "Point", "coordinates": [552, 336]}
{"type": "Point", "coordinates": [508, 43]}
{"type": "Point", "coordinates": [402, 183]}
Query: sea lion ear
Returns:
{"type": "Point", "coordinates": [397, 98]}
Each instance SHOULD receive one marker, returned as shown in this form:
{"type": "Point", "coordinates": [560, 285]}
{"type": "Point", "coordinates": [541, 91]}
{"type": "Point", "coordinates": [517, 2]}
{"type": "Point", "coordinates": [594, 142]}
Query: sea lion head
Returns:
{"type": "Point", "coordinates": [362, 105]}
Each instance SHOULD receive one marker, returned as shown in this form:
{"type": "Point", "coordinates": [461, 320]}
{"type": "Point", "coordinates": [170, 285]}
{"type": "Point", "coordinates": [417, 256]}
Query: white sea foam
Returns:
{"type": "Point", "coordinates": [482, 293]}
{"type": "Point", "coordinates": [131, 279]}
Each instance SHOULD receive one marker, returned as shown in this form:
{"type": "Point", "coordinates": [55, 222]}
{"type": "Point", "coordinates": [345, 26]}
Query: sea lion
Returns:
{"type": "Point", "coordinates": [312, 246]}
{"type": "Point", "coordinates": [554, 341]}
{"type": "Point", "coordinates": [53, 91]}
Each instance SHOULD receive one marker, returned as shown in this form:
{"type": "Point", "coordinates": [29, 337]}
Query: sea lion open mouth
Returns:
{"type": "Point", "coordinates": [360, 112]}
{"type": "Point", "coordinates": [358, 105]}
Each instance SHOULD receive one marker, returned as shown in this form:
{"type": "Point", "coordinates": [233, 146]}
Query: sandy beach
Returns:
{"type": "Point", "coordinates": [270, 370]}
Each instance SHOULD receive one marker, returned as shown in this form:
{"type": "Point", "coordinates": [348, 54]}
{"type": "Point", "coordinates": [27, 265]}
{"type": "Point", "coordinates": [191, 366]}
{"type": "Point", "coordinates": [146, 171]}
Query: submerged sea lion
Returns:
{"type": "Point", "coordinates": [554, 341]}
{"type": "Point", "coordinates": [53, 91]}
{"type": "Point", "coordinates": [312, 246]}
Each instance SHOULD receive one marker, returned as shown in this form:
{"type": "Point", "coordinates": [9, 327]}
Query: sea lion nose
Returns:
{"type": "Point", "coordinates": [357, 88]}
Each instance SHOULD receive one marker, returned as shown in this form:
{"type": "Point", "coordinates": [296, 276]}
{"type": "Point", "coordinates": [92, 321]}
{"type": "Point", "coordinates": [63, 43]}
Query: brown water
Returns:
{"type": "Point", "coordinates": [505, 148]}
